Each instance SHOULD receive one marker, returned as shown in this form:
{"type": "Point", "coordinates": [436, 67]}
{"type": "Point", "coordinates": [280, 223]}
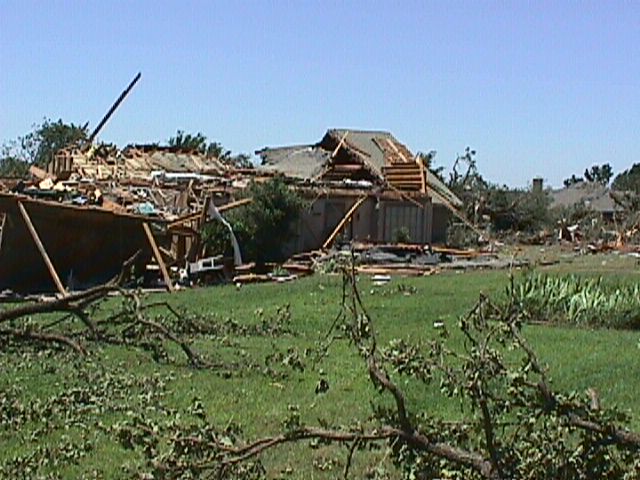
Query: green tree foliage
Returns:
{"type": "Point", "coordinates": [263, 227]}
{"type": "Point", "coordinates": [518, 210]}
{"type": "Point", "coordinates": [11, 166]}
{"type": "Point", "coordinates": [572, 180]}
{"type": "Point", "coordinates": [186, 141]}
{"type": "Point", "coordinates": [629, 180]}
{"type": "Point", "coordinates": [428, 160]}
{"type": "Point", "coordinates": [50, 137]}
{"type": "Point", "coordinates": [597, 174]}
{"type": "Point", "coordinates": [39, 146]}
{"type": "Point", "coordinates": [199, 143]}
{"type": "Point", "coordinates": [507, 208]}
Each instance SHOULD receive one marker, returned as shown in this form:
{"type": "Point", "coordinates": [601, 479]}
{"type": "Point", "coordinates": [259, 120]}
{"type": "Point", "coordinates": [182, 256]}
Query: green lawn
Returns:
{"type": "Point", "coordinates": [54, 400]}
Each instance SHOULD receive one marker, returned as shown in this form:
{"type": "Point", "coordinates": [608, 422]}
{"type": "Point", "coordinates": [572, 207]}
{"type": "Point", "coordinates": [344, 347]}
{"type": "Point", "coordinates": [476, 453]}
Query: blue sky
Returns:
{"type": "Point", "coordinates": [537, 88]}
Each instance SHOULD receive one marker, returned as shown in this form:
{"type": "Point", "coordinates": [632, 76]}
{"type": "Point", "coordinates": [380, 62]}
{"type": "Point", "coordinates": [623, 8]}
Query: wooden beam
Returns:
{"type": "Point", "coordinates": [41, 249]}
{"type": "Point", "coordinates": [337, 149]}
{"type": "Point", "coordinates": [200, 245]}
{"type": "Point", "coordinates": [405, 196]}
{"type": "Point", "coordinates": [195, 216]}
{"type": "Point", "coordinates": [343, 222]}
{"type": "Point", "coordinates": [423, 176]}
{"type": "Point", "coordinates": [347, 167]}
{"type": "Point", "coordinates": [203, 213]}
{"type": "Point", "coordinates": [237, 203]}
{"type": "Point", "coordinates": [167, 254]}
{"type": "Point", "coordinates": [158, 257]}
{"type": "Point", "coordinates": [403, 176]}
{"type": "Point", "coordinates": [395, 149]}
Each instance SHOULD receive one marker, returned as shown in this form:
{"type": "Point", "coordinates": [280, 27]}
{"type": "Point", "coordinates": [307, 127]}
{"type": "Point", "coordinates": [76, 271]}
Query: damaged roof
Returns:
{"type": "Point", "coordinates": [371, 143]}
{"type": "Point", "coordinates": [298, 161]}
{"type": "Point", "coordinates": [375, 148]}
{"type": "Point", "coordinates": [133, 161]}
{"type": "Point", "coordinates": [146, 158]}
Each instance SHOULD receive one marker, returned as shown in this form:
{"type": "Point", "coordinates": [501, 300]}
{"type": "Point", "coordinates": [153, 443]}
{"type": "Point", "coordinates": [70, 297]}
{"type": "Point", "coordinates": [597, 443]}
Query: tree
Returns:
{"type": "Point", "coordinates": [629, 180]}
{"type": "Point", "coordinates": [40, 146]}
{"type": "Point", "coordinates": [506, 208]}
{"type": "Point", "coordinates": [11, 166]}
{"type": "Point", "coordinates": [596, 174]}
{"type": "Point", "coordinates": [572, 180]}
{"type": "Point", "coordinates": [199, 143]}
{"type": "Point", "coordinates": [264, 227]}
{"type": "Point", "coordinates": [471, 178]}
{"type": "Point", "coordinates": [186, 141]}
{"type": "Point", "coordinates": [517, 210]}
{"type": "Point", "coordinates": [599, 174]}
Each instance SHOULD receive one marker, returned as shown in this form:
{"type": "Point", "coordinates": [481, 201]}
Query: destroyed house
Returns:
{"type": "Point", "coordinates": [134, 161]}
{"type": "Point", "coordinates": [92, 209]}
{"type": "Point", "coordinates": [363, 186]}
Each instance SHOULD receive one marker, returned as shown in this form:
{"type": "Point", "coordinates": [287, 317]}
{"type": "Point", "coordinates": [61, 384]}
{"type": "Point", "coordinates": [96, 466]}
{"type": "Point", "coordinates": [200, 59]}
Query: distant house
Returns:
{"type": "Point", "coordinates": [399, 198]}
{"type": "Point", "coordinates": [590, 195]}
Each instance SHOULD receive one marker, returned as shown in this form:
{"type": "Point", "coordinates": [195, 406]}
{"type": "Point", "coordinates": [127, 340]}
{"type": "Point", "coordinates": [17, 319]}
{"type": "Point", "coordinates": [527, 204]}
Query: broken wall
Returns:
{"type": "Point", "coordinates": [440, 222]}
{"type": "Point", "coordinates": [86, 246]}
{"type": "Point", "coordinates": [375, 220]}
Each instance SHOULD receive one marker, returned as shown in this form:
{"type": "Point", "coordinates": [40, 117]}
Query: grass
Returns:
{"type": "Point", "coordinates": [405, 308]}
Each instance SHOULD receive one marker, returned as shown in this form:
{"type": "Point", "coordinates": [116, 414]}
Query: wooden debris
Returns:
{"type": "Point", "coordinates": [39, 173]}
{"type": "Point", "coordinates": [198, 215]}
{"type": "Point", "coordinates": [158, 257]}
{"type": "Point", "coordinates": [42, 250]}
{"type": "Point", "coordinates": [404, 269]}
{"type": "Point", "coordinates": [340, 143]}
{"type": "Point", "coordinates": [251, 278]}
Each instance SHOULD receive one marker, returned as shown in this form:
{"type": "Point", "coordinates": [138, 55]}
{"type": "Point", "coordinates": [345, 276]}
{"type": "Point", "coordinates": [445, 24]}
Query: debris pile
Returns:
{"type": "Point", "coordinates": [94, 208]}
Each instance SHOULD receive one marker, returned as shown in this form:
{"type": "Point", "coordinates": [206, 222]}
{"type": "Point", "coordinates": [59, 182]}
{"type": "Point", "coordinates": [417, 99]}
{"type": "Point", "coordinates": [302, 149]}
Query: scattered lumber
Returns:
{"type": "Point", "coordinates": [158, 256]}
{"type": "Point", "coordinates": [251, 278]}
{"type": "Point", "coordinates": [43, 252]}
{"type": "Point", "coordinates": [403, 269]}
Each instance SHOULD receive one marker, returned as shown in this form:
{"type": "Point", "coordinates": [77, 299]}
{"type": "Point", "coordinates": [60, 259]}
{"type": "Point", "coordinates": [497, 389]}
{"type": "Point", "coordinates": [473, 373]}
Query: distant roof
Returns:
{"type": "Point", "coordinates": [372, 147]}
{"type": "Point", "coordinates": [592, 195]}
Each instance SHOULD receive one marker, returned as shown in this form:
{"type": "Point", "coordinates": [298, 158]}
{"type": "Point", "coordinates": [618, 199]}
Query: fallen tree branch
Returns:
{"type": "Point", "coordinates": [616, 435]}
{"type": "Point", "coordinates": [194, 359]}
{"type": "Point", "coordinates": [69, 304]}
{"type": "Point", "coordinates": [44, 337]}
{"type": "Point", "coordinates": [235, 455]}
{"type": "Point", "coordinates": [76, 305]}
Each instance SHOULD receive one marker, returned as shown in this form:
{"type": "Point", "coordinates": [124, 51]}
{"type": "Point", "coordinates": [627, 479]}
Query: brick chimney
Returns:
{"type": "Point", "coordinates": [538, 184]}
